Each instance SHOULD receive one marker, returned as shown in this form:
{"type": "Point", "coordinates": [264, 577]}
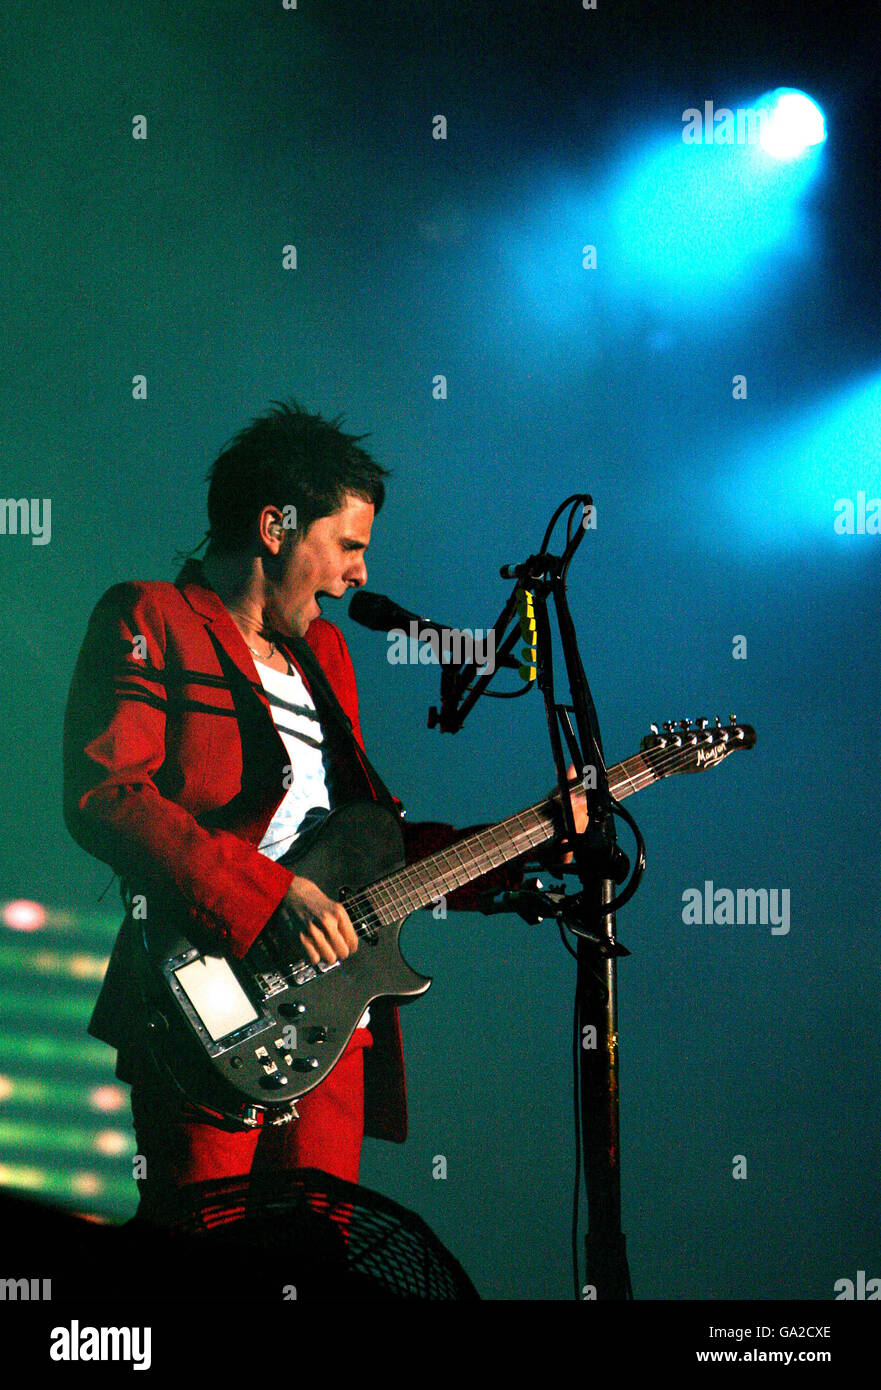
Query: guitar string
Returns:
{"type": "Point", "coordinates": [409, 883]}
{"type": "Point", "coordinates": [406, 887]}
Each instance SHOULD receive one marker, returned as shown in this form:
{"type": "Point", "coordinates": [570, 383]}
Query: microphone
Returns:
{"type": "Point", "coordinates": [380, 614]}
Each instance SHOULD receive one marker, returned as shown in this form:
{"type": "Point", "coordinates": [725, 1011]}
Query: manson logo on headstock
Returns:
{"type": "Point", "coordinates": [711, 755]}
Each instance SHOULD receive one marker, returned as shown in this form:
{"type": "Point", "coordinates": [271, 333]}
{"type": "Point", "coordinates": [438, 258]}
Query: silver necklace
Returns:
{"type": "Point", "coordinates": [271, 652]}
{"type": "Point", "coordinates": [252, 650]}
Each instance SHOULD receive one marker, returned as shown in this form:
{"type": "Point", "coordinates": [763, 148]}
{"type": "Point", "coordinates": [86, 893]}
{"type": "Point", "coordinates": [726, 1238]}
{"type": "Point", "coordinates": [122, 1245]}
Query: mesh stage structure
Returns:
{"type": "Point", "coordinates": [304, 1235]}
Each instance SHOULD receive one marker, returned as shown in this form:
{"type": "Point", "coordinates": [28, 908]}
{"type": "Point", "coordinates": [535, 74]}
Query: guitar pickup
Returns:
{"type": "Point", "coordinates": [304, 973]}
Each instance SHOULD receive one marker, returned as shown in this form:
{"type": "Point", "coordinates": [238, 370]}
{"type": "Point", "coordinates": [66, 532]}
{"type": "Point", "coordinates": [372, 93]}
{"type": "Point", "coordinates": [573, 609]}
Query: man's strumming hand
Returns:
{"type": "Point", "coordinates": [323, 927]}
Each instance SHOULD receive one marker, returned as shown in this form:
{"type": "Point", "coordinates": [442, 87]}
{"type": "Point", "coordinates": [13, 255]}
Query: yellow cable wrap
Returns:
{"type": "Point", "coordinates": [526, 612]}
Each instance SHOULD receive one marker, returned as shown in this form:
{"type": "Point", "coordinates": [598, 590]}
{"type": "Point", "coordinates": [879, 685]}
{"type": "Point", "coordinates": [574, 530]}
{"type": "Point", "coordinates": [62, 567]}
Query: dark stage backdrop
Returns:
{"type": "Point", "coordinates": [441, 171]}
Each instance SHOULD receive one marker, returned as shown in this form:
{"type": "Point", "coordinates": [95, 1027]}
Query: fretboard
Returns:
{"type": "Point", "coordinates": [419, 885]}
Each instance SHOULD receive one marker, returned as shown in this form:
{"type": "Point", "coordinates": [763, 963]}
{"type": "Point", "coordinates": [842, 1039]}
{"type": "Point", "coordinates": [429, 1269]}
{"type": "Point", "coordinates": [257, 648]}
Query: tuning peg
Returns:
{"type": "Point", "coordinates": [701, 723]}
{"type": "Point", "coordinates": [684, 723]}
{"type": "Point", "coordinates": [732, 719]}
{"type": "Point", "coordinates": [654, 728]}
{"type": "Point", "coordinates": [668, 725]}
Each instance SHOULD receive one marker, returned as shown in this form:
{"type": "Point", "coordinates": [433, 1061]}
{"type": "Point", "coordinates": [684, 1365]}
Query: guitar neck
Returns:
{"type": "Point", "coordinates": [421, 884]}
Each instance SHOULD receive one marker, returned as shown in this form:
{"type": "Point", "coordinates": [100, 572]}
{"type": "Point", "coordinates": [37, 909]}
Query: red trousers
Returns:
{"type": "Point", "coordinates": [180, 1147]}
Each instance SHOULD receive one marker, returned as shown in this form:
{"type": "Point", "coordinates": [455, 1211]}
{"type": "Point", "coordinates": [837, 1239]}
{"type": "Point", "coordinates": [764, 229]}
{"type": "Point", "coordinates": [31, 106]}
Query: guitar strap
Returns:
{"type": "Point", "coordinates": [384, 1024]}
{"type": "Point", "coordinates": [330, 709]}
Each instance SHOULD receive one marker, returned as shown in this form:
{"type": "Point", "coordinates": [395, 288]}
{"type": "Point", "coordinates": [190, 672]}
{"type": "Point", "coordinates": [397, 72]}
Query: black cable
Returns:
{"type": "Point", "coordinates": [561, 926]}
{"type": "Point", "coordinates": [576, 1095]}
{"type": "Point", "coordinates": [637, 872]}
{"type": "Point", "coordinates": [574, 497]}
{"type": "Point", "coordinates": [504, 694]}
{"type": "Point", "coordinates": [639, 868]}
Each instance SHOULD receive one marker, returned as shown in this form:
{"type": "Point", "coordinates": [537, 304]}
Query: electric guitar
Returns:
{"type": "Point", "coordinates": [249, 1036]}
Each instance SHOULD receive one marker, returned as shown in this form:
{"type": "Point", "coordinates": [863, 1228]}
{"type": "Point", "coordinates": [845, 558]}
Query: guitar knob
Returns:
{"type": "Point", "coordinates": [306, 1063]}
{"type": "Point", "coordinates": [316, 1035]}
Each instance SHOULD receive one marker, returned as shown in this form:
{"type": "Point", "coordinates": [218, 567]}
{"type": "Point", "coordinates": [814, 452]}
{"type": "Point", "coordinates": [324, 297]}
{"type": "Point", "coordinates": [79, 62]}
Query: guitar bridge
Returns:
{"type": "Point", "coordinates": [271, 982]}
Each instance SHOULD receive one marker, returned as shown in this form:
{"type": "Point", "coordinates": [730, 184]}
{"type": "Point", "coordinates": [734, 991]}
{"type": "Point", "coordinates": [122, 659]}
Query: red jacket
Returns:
{"type": "Point", "coordinates": [173, 769]}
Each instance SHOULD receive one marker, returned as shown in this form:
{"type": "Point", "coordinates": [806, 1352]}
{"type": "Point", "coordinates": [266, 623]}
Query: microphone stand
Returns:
{"type": "Point", "coordinates": [455, 680]}
{"type": "Point", "coordinates": [600, 864]}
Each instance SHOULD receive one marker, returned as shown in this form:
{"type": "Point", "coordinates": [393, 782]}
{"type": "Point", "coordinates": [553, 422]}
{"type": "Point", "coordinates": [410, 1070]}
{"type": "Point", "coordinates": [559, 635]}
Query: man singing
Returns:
{"type": "Point", "coordinates": [210, 723]}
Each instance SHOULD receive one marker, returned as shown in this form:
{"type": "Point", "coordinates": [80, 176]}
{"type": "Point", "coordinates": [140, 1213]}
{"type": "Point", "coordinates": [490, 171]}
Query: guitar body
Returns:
{"type": "Point", "coordinates": [239, 1034]}
{"type": "Point", "coordinates": [246, 1036]}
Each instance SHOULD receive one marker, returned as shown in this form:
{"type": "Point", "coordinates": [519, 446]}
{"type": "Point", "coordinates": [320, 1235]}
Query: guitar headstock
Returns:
{"type": "Point", "coordinates": [693, 745]}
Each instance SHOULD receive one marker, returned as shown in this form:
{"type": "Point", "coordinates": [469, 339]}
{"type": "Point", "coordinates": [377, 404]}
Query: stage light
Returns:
{"type": "Point", "coordinates": [17, 1175]}
{"type": "Point", "coordinates": [111, 1142]}
{"type": "Point", "coordinates": [24, 915]}
{"type": "Point", "coordinates": [86, 1184]}
{"type": "Point", "coordinates": [707, 222]}
{"type": "Point", "coordinates": [812, 481]}
{"type": "Point", "coordinates": [789, 123]}
{"type": "Point", "coordinates": [107, 1098]}
{"type": "Point", "coordinates": [83, 967]}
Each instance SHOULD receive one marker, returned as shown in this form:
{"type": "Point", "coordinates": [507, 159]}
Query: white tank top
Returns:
{"type": "Point", "coordinates": [295, 717]}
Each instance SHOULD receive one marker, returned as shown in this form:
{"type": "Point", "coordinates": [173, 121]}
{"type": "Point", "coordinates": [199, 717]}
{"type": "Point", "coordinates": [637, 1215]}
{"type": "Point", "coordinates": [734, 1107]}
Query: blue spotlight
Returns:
{"type": "Point", "coordinates": [703, 219]}
{"type": "Point", "coordinates": [789, 123]}
{"type": "Point", "coordinates": [694, 222]}
{"type": "Point", "coordinates": [815, 479]}
{"type": "Point", "coordinates": [712, 218]}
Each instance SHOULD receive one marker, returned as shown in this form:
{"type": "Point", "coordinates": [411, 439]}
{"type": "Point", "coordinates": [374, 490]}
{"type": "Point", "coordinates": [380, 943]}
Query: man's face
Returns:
{"type": "Point", "coordinates": [329, 559]}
